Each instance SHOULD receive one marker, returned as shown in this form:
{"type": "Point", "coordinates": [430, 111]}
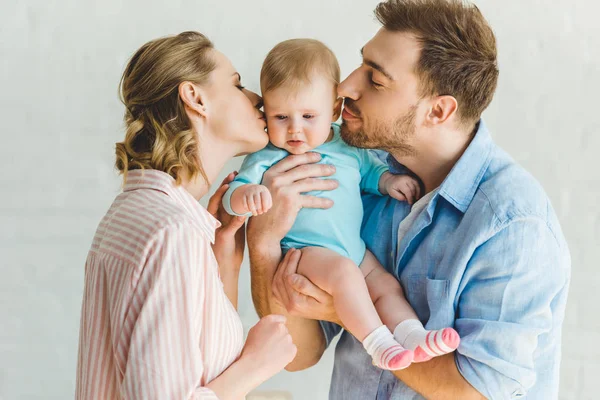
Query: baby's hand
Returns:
{"type": "Point", "coordinates": [400, 187]}
{"type": "Point", "coordinates": [255, 199]}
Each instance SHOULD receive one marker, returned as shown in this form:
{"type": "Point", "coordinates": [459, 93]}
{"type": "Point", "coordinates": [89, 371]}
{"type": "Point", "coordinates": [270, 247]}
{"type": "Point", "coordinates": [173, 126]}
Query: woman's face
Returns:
{"type": "Point", "coordinates": [233, 110]}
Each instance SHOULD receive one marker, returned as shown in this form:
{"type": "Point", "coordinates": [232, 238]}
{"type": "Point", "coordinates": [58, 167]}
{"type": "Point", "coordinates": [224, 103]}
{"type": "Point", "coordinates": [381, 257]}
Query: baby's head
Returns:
{"type": "Point", "coordinates": [299, 81]}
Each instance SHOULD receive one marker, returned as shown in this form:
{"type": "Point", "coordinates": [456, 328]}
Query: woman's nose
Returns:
{"type": "Point", "coordinates": [255, 99]}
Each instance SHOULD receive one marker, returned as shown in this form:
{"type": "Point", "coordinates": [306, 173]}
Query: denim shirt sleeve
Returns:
{"type": "Point", "coordinates": [506, 304]}
{"type": "Point", "coordinates": [330, 330]}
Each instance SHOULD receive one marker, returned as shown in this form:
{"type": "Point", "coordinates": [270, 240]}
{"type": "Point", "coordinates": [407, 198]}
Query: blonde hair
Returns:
{"type": "Point", "coordinates": [293, 62]}
{"type": "Point", "coordinates": [159, 134]}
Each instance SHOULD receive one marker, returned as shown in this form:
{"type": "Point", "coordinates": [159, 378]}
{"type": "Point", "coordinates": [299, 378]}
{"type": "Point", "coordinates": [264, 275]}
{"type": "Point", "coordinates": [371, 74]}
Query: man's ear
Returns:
{"type": "Point", "coordinates": [442, 108]}
{"type": "Point", "coordinates": [193, 98]}
{"type": "Point", "coordinates": [337, 108]}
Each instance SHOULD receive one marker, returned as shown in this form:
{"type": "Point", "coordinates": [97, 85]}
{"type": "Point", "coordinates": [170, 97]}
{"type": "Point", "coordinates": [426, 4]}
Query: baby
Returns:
{"type": "Point", "coordinates": [299, 80]}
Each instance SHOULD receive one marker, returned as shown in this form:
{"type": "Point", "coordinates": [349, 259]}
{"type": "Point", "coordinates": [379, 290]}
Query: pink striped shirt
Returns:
{"type": "Point", "coordinates": [155, 321]}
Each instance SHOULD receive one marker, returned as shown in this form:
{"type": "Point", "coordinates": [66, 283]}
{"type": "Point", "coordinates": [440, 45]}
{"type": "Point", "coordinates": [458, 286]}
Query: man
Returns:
{"type": "Point", "coordinates": [482, 251]}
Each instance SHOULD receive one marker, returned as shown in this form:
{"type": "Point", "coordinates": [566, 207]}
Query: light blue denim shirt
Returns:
{"type": "Point", "coordinates": [487, 257]}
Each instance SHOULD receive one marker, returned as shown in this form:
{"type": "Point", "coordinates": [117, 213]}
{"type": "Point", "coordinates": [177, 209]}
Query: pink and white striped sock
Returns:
{"type": "Point", "coordinates": [386, 352]}
{"type": "Point", "coordinates": [426, 344]}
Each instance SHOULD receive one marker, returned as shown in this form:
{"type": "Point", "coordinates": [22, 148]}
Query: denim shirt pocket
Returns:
{"type": "Point", "coordinates": [438, 293]}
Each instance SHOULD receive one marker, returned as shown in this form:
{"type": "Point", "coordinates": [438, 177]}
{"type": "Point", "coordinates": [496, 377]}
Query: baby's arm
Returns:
{"type": "Point", "coordinates": [400, 187]}
{"type": "Point", "coordinates": [251, 199]}
{"type": "Point", "coordinates": [245, 195]}
{"type": "Point", "coordinates": [376, 178]}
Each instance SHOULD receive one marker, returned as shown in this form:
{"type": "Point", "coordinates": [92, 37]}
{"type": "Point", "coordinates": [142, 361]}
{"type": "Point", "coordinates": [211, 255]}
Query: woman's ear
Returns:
{"type": "Point", "coordinates": [193, 98]}
{"type": "Point", "coordinates": [337, 108]}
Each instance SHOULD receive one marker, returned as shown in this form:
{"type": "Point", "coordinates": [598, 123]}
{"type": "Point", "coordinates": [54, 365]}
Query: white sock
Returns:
{"type": "Point", "coordinates": [410, 333]}
{"type": "Point", "coordinates": [425, 343]}
{"type": "Point", "coordinates": [385, 351]}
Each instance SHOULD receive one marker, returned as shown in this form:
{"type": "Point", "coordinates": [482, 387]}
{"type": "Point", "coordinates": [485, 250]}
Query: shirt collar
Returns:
{"type": "Point", "coordinates": [161, 181]}
{"type": "Point", "coordinates": [462, 182]}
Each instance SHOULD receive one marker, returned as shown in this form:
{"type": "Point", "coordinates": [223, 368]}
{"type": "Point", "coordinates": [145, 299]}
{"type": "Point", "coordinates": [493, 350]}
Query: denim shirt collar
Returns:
{"type": "Point", "coordinates": [462, 182]}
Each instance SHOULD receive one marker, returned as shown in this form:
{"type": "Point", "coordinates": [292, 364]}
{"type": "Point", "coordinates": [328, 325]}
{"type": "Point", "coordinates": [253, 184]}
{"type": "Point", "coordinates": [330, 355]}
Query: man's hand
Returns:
{"type": "Point", "coordinates": [286, 181]}
{"type": "Point", "coordinates": [298, 295]}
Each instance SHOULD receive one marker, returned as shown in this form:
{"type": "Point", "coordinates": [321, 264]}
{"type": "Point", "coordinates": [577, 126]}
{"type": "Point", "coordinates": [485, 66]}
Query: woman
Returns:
{"type": "Point", "coordinates": [158, 317]}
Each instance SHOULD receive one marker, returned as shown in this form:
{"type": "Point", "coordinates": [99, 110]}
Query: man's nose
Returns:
{"type": "Point", "coordinates": [349, 86]}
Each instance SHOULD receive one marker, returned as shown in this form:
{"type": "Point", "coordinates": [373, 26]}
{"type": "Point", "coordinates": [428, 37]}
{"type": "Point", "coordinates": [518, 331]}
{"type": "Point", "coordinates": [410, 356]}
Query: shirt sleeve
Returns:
{"type": "Point", "coordinates": [164, 360]}
{"type": "Point", "coordinates": [371, 169]}
{"type": "Point", "coordinates": [508, 301]}
{"type": "Point", "coordinates": [252, 170]}
{"type": "Point", "coordinates": [330, 330]}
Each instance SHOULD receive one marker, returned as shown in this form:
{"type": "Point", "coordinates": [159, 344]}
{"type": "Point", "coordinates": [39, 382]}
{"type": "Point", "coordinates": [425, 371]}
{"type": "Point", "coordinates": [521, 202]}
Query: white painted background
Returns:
{"type": "Point", "coordinates": [60, 64]}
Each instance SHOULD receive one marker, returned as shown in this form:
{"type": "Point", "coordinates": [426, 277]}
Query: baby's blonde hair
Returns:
{"type": "Point", "coordinates": [294, 62]}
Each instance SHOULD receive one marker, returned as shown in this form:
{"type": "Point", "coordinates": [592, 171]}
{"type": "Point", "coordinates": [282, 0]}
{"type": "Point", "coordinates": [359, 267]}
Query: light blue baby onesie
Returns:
{"type": "Point", "coordinates": [337, 228]}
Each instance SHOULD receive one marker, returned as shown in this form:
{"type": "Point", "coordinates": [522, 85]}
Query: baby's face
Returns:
{"type": "Point", "coordinates": [299, 120]}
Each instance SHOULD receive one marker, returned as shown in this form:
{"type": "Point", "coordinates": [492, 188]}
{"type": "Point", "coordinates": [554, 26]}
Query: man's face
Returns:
{"type": "Point", "coordinates": [382, 101]}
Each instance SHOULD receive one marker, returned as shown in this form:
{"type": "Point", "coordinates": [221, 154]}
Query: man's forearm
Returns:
{"type": "Point", "coordinates": [307, 334]}
{"type": "Point", "coordinates": [438, 378]}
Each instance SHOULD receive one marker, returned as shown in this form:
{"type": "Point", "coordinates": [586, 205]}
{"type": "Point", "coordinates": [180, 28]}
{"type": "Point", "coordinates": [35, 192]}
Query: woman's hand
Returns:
{"type": "Point", "coordinates": [229, 238]}
{"type": "Point", "coordinates": [269, 347]}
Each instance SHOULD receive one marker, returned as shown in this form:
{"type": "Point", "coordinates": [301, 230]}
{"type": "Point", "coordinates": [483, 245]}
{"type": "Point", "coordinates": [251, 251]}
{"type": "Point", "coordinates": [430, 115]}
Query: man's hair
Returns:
{"type": "Point", "coordinates": [294, 62]}
{"type": "Point", "coordinates": [458, 50]}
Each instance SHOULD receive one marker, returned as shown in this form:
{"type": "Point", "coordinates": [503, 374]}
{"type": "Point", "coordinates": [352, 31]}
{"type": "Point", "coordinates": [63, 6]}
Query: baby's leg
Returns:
{"type": "Point", "coordinates": [393, 308]}
{"type": "Point", "coordinates": [340, 277]}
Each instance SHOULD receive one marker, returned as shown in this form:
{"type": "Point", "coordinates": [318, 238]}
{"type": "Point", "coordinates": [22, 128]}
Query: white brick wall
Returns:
{"type": "Point", "coordinates": [60, 63]}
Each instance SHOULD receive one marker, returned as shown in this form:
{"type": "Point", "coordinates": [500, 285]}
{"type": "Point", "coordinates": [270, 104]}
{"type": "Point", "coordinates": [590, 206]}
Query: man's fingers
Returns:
{"type": "Point", "coordinates": [290, 267]}
{"type": "Point", "coordinates": [292, 262]}
{"type": "Point", "coordinates": [305, 287]}
{"type": "Point", "coordinates": [305, 171]}
{"type": "Point", "coordinates": [293, 161]}
{"type": "Point", "coordinates": [314, 184]}
{"type": "Point", "coordinates": [315, 202]}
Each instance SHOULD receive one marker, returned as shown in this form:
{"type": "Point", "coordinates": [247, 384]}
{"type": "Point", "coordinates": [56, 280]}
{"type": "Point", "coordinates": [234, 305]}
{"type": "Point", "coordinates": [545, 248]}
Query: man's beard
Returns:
{"type": "Point", "coordinates": [385, 136]}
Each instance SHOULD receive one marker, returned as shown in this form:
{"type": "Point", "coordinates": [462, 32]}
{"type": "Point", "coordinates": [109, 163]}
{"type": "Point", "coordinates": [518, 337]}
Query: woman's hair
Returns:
{"type": "Point", "coordinates": [294, 62]}
{"type": "Point", "coordinates": [159, 133]}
